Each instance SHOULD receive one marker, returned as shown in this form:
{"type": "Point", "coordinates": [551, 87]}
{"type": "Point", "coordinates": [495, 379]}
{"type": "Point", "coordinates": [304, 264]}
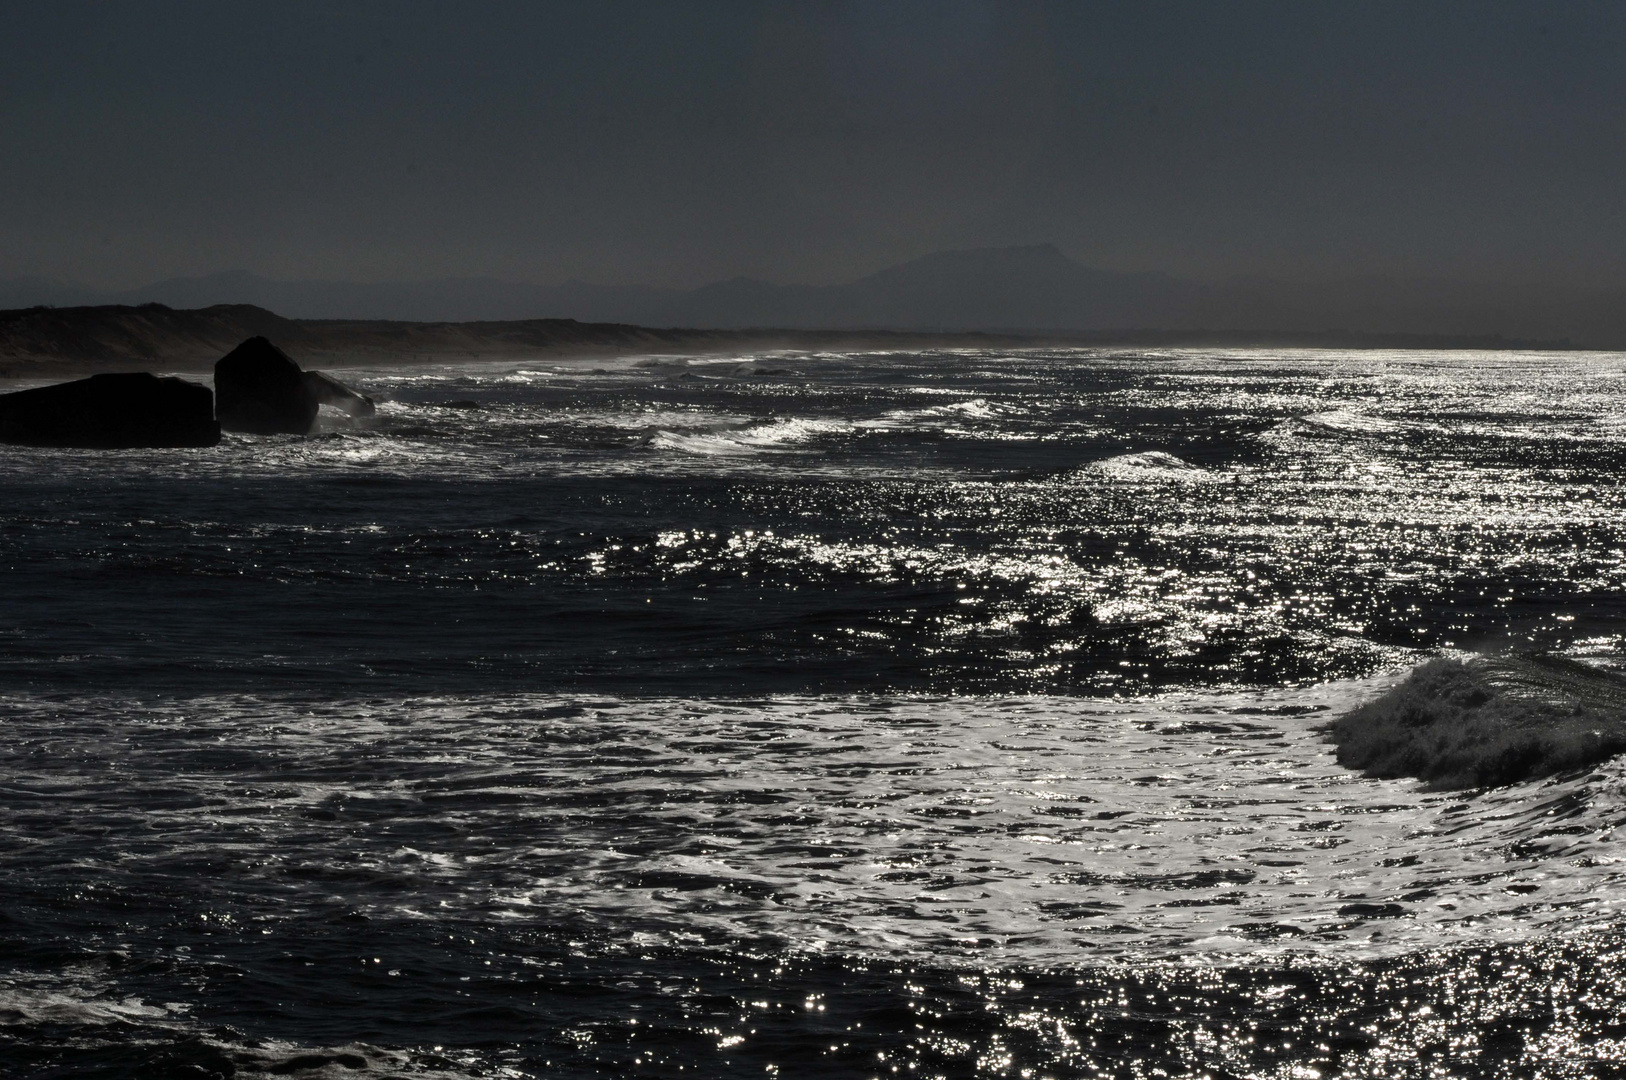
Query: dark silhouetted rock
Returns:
{"type": "Point", "coordinates": [259, 390]}
{"type": "Point", "coordinates": [111, 412]}
{"type": "Point", "coordinates": [330, 391]}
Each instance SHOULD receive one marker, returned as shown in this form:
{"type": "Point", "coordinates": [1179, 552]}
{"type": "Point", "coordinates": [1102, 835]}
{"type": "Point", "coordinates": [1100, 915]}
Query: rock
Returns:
{"type": "Point", "coordinates": [261, 391]}
{"type": "Point", "coordinates": [330, 391]}
{"type": "Point", "coordinates": [111, 412]}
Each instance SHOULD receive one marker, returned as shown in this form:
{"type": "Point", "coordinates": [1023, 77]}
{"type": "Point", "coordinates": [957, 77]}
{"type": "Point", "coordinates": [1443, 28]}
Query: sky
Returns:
{"type": "Point", "coordinates": [680, 143]}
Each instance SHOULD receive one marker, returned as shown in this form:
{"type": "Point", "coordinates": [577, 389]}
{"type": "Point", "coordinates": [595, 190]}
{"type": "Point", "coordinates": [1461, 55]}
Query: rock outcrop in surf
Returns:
{"type": "Point", "coordinates": [330, 391]}
{"type": "Point", "coordinates": [1487, 722]}
{"type": "Point", "coordinates": [111, 412]}
{"type": "Point", "coordinates": [259, 390]}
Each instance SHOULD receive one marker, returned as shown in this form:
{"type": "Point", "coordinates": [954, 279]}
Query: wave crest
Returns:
{"type": "Point", "coordinates": [1153, 465]}
{"type": "Point", "coordinates": [778, 436]}
{"type": "Point", "coordinates": [1487, 722]}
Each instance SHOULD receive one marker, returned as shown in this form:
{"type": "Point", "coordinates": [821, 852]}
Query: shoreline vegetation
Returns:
{"type": "Point", "coordinates": [46, 342]}
{"type": "Point", "coordinates": [1487, 722]}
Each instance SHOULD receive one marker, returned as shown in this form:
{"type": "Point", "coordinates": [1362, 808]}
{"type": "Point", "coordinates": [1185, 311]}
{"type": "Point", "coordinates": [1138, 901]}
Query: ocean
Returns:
{"type": "Point", "coordinates": [926, 714]}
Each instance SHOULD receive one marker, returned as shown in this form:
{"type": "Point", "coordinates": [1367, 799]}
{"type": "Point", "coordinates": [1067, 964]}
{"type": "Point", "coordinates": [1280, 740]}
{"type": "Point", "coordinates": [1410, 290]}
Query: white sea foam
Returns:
{"type": "Point", "coordinates": [777, 436]}
{"type": "Point", "coordinates": [65, 1002]}
{"type": "Point", "coordinates": [989, 830]}
{"type": "Point", "coordinates": [655, 420]}
{"type": "Point", "coordinates": [934, 416]}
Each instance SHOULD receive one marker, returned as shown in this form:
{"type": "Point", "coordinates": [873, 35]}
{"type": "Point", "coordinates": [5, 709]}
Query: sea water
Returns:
{"type": "Point", "coordinates": [812, 714]}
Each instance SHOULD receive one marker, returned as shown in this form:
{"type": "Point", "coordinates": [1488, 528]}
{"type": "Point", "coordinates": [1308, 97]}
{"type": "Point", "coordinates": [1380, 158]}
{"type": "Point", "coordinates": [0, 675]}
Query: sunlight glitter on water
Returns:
{"type": "Point", "coordinates": [618, 710]}
{"type": "Point", "coordinates": [1002, 831]}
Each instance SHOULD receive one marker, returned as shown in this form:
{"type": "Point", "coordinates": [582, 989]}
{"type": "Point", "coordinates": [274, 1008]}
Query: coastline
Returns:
{"type": "Point", "coordinates": [45, 342]}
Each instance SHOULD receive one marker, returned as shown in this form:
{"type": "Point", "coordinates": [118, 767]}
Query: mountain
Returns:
{"type": "Point", "coordinates": [1026, 288]}
{"type": "Point", "coordinates": [1035, 288]}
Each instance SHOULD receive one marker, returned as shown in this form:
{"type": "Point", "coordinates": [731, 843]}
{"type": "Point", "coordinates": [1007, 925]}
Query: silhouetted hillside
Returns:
{"type": "Point", "coordinates": [150, 333]}
{"type": "Point", "coordinates": [151, 336]}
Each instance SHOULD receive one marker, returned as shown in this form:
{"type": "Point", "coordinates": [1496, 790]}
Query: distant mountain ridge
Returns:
{"type": "Point", "coordinates": [1019, 289]}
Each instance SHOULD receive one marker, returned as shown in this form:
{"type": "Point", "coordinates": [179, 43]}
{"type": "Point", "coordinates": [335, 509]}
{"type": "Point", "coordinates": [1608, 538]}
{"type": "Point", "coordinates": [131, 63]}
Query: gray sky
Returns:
{"type": "Point", "coordinates": [678, 143]}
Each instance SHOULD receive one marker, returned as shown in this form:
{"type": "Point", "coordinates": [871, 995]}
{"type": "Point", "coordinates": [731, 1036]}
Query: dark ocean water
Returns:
{"type": "Point", "coordinates": [811, 715]}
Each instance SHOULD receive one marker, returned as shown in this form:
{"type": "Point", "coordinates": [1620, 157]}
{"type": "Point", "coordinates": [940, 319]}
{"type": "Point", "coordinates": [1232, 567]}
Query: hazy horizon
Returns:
{"type": "Point", "coordinates": [644, 144]}
{"type": "Point", "coordinates": [1217, 278]}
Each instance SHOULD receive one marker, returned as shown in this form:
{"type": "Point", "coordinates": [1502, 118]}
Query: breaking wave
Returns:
{"type": "Point", "coordinates": [974, 409]}
{"type": "Point", "coordinates": [1152, 466]}
{"type": "Point", "coordinates": [778, 436]}
{"type": "Point", "coordinates": [1488, 721]}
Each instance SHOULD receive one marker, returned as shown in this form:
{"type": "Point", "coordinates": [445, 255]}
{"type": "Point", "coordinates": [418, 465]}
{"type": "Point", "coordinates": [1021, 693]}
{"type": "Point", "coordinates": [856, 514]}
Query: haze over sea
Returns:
{"type": "Point", "coordinates": [915, 714]}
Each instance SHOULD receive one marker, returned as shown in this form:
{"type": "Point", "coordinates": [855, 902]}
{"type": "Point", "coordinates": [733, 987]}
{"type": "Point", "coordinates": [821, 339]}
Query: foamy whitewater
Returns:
{"type": "Point", "coordinates": [839, 715]}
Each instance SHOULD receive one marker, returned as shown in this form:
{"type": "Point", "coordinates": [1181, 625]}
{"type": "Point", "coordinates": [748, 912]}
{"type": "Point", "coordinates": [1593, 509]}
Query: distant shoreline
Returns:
{"type": "Point", "coordinates": [46, 341]}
